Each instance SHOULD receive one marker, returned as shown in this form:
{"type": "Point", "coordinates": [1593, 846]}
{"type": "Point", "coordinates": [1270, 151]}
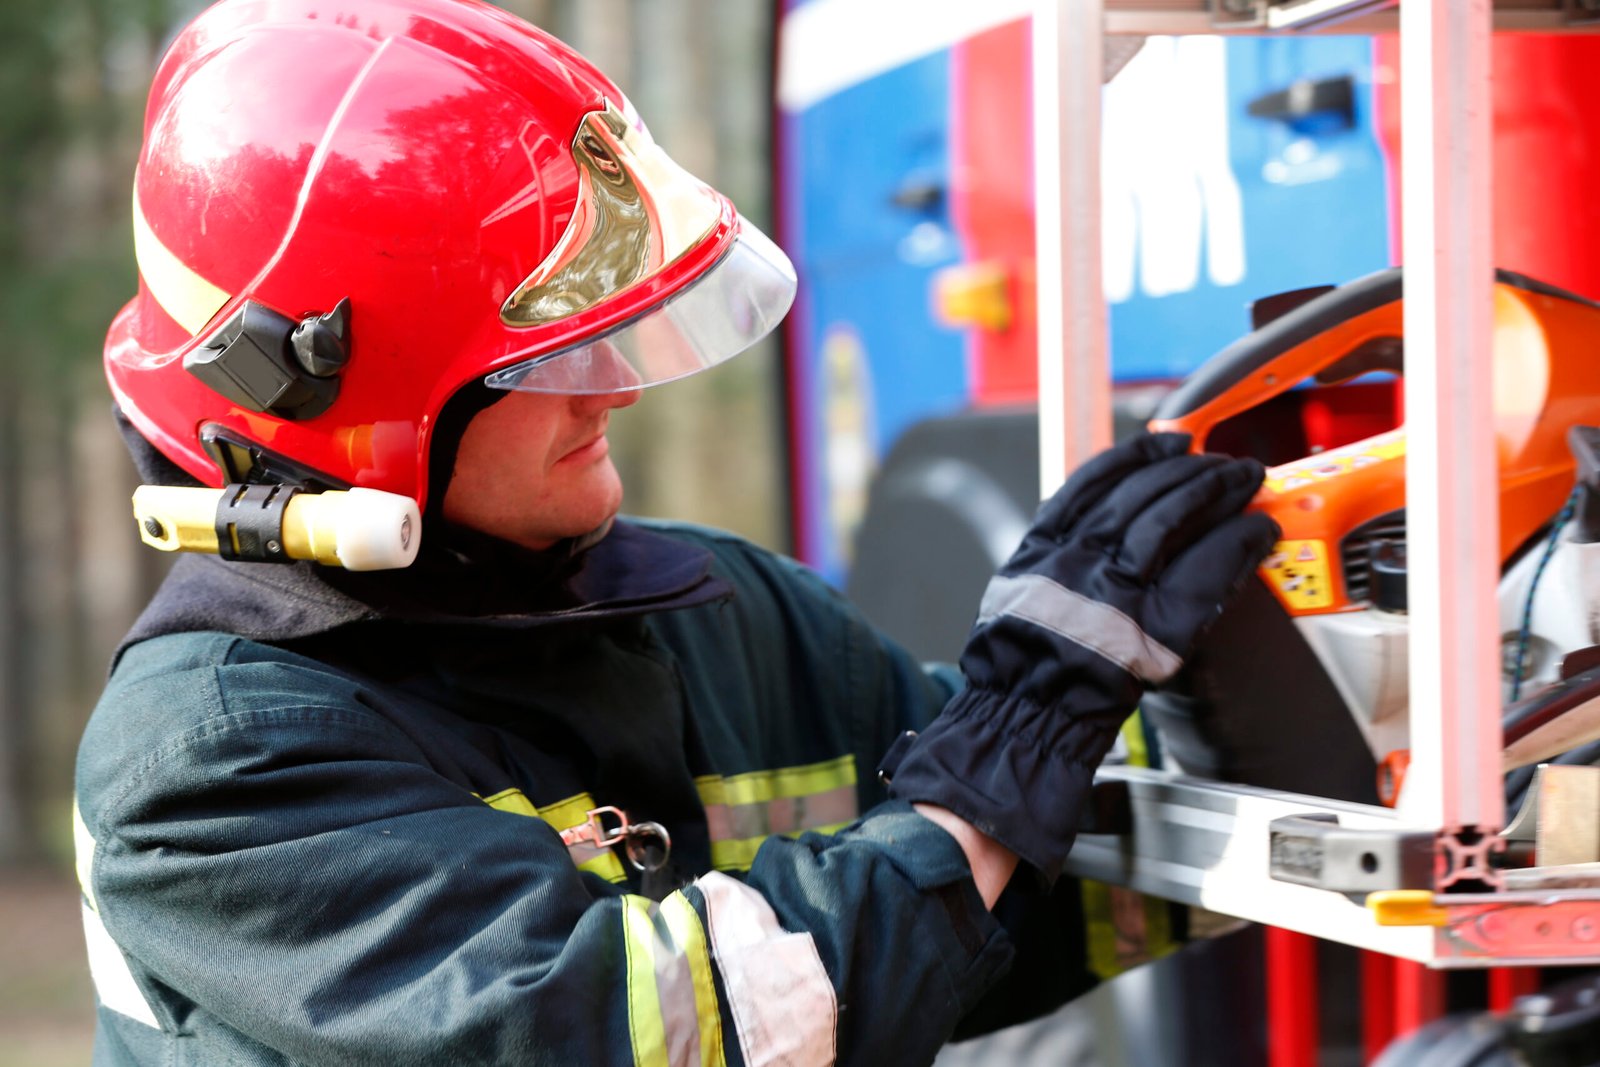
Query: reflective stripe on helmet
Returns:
{"type": "Point", "coordinates": [189, 299]}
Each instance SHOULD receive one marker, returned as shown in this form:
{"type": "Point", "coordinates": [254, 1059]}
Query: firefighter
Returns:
{"type": "Point", "coordinates": [569, 788]}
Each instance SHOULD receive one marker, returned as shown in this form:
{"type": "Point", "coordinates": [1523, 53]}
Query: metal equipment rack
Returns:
{"type": "Point", "coordinates": [1215, 845]}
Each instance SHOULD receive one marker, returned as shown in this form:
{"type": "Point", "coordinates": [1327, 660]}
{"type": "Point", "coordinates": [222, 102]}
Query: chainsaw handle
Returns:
{"type": "Point", "coordinates": [1361, 321]}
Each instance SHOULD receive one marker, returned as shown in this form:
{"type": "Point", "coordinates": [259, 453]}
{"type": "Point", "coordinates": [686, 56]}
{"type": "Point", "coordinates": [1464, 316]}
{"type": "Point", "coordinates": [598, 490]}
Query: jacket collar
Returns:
{"type": "Point", "coordinates": [629, 572]}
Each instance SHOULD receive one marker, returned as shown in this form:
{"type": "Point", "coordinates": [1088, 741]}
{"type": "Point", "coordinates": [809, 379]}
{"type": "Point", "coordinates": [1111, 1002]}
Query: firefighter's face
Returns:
{"type": "Point", "coordinates": [534, 468]}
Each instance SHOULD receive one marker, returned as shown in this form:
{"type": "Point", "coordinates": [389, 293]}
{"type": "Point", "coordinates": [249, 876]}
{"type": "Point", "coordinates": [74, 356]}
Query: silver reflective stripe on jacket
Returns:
{"type": "Point", "coordinates": [782, 1002]}
{"type": "Point", "coordinates": [113, 979]}
{"type": "Point", "coordinates": [1098, 627]}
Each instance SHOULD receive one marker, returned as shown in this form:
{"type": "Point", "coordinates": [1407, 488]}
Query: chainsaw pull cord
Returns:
{"type": "Point", "coordinates": [1561, 520]}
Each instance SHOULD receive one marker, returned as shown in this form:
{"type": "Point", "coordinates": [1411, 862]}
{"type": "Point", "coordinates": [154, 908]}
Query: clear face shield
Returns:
{"type": "Point", "coordinates": [640, 213]}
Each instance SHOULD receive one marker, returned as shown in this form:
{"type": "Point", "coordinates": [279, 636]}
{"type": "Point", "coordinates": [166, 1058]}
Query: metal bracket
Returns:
{"type": "Point", "coordinates": [266, 362]}
{"type": "Point", "coordinates": [249, 522]}
{"type": "Point", "coordinates": [1146, 17]}
{"type": "Point", "coordinates": [1315, 850]}
{"type": "Point", "coordinates": [1544, 928]}
{"type": "Point", "coordinates": [1466, 852]}
{"type": "Point", "coordinates": [1237, 14]}
{"type": "Point", "coordinates": [1291, 14]}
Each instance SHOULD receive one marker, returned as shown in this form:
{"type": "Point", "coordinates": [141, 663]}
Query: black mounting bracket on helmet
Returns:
{"type": "Point", "coordinates": [250, 522]}
{"type": "Point", "coordinates": [270, 363]}
{"type": "Point", "coordinates": [242, 460]}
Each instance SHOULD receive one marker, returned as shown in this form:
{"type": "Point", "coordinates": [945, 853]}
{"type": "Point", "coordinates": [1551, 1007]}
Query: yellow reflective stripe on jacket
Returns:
{"type": "Point", "coordinates": [83, 846]}
{"type": "Point", "coordinates": [674, 1019]}
{"type": "Point", "coordinates": [758, 786]}
{"type": "Point", "coordinates": [739, 855]}
{"type": "Point", "coordinates": [1133, 736]}
{"type": "Point", "coordinates": [564, 815]}
{"type": "Point", "coordinates": [746, 809]}
{"type": "Point", "coordinates": [646, 1029]}
{"type": "Point", "coordinates": [1124, 928]}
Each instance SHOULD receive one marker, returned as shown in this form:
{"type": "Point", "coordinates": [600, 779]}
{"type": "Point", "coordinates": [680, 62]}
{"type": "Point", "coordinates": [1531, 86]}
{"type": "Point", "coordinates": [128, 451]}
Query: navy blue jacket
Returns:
{"type": "Point", "coordinates": [319, 822]}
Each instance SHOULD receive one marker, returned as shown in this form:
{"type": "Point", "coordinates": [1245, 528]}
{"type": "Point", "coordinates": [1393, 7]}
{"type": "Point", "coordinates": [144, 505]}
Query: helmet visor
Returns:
{"type": "Point", "coordinates": [736, 303]}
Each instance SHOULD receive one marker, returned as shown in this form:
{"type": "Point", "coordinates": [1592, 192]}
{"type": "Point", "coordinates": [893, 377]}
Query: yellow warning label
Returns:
{"type": "Point", "coordinates": [1333, 463]}
{"type": "Point", "coordinates": [1299, 571]}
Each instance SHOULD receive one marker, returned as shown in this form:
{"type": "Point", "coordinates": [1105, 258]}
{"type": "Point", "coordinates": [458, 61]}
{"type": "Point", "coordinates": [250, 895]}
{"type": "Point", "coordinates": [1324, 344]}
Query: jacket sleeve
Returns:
{"type": "Point", "coordinates": [291, 863]}
{"type": "Point", "coordinates": [1045, 925]}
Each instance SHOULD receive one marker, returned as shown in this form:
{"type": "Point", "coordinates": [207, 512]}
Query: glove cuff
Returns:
{"type": "Point", "coordinates": [1017, 771]}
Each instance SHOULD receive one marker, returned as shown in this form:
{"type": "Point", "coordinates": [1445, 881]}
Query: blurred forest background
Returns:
{"type": "Point", "coordinates": [73, 575]}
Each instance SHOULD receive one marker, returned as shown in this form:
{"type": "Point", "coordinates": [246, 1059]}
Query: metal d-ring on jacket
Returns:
{"type": "Point", "coordinates": [319, 815]}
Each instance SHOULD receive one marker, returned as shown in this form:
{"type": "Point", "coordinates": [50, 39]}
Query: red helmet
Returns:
{"type": "Point", "coordinates": [346, 210]}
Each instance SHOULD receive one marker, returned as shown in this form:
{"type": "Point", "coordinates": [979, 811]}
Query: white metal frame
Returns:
{"type": "Point", "coordinates": [1453, 785]}
{"type": "Point", "coordinates": [1452, 505]}
{"type": "Point", "coordinates": [1179, 17]}
{"type": "Point", "coordinates": [1074, 360]}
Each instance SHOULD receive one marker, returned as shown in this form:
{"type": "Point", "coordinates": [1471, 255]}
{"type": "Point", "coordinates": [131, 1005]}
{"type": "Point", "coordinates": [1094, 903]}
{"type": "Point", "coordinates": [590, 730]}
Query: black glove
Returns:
{"type": "Point", "coordinates": [1122, 570]}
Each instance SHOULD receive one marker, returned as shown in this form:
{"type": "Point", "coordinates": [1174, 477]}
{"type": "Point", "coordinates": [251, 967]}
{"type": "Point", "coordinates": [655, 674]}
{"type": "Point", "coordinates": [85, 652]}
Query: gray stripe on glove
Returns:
{"type": "Point", "coordinates": [1098, 627]}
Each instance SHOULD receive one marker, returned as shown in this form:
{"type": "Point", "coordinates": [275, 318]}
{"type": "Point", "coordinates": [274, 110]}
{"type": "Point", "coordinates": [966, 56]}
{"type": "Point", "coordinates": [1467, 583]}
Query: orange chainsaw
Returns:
{"type": "Point", "coordinates": [1304, 685]}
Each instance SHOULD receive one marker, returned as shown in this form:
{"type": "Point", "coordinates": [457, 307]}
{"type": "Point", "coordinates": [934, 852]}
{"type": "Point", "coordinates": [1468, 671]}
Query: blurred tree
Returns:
{"type": "Point", "coordinates": [29, 131]}
{"type": "Point", "coordinates": [72, 77]}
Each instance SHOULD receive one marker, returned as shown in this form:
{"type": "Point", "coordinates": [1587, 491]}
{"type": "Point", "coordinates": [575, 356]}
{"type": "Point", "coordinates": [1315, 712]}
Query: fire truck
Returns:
{"type": "Point", "coordinates": [1248, 227]}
